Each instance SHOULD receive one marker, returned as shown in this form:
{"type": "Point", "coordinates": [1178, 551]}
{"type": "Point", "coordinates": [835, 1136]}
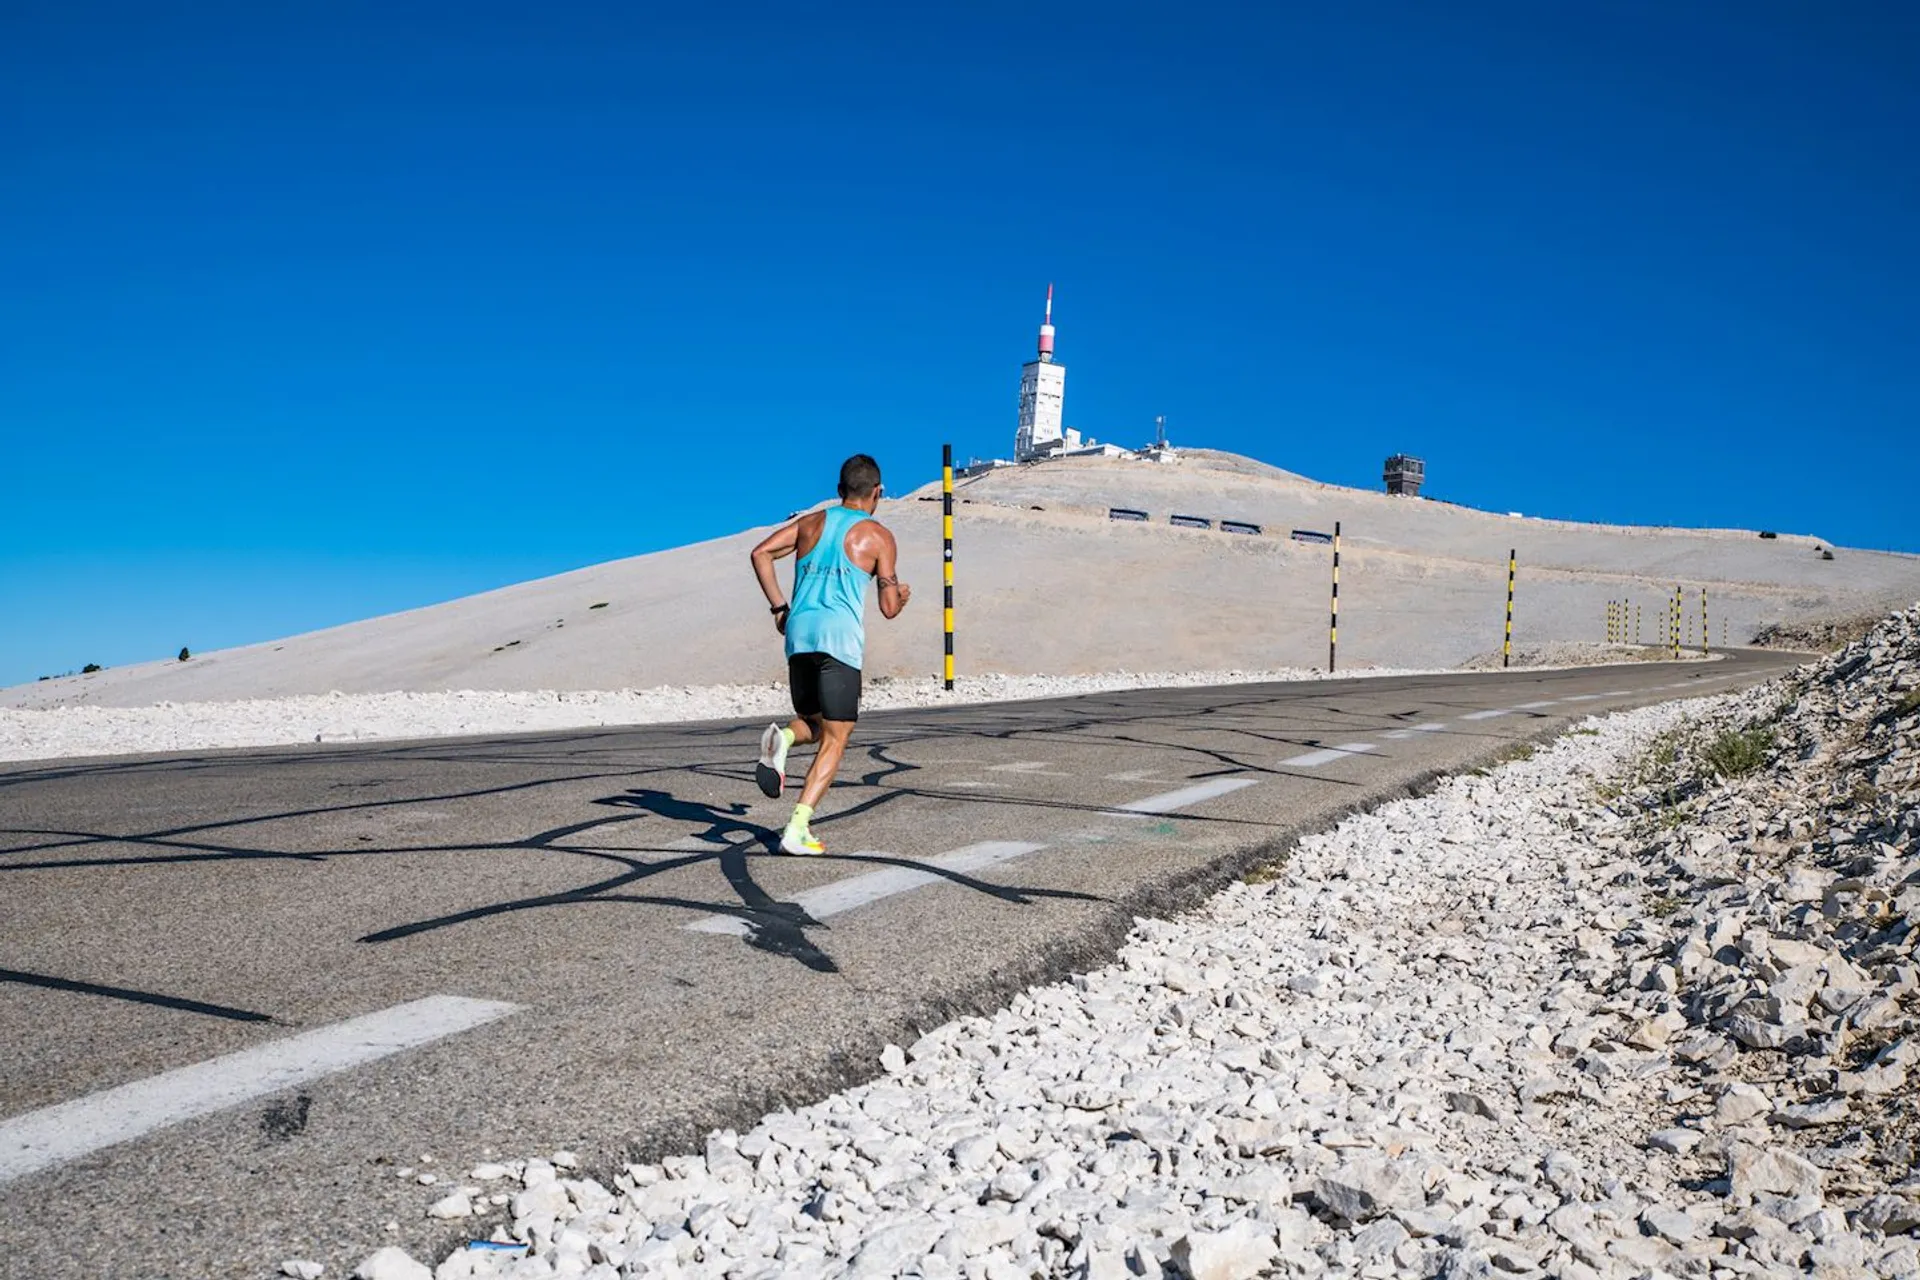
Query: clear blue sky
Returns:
{"type": "Point", "coordinates": [311, 311]}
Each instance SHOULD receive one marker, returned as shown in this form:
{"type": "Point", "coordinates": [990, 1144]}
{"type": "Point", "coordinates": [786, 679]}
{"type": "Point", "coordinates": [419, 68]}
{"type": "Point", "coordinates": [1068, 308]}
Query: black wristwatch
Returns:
{"type": "Point", "coordinates": [781, 608]}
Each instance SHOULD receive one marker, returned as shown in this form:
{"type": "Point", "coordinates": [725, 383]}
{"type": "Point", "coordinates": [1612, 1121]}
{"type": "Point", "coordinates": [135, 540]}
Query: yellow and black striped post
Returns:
{"type": "Point", "coordinates": [1704, 647]}
{"type": "Point", "coordinates": [1607, 631]}
{"type": "Point", "coordinates": [946, 552]}
{"type": "Point", "coordinates": [1506, 646]}
{"type": "Point", "coordinates": [1333, 625]}
{"type": "Point", "coordinates": [1636, 624]}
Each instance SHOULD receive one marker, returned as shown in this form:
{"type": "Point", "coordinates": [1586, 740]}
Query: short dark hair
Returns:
{"type": "Point", "coordinates": [859, 476]}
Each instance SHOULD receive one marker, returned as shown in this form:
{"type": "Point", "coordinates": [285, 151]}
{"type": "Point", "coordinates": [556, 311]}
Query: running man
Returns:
{"type": "Point", "coordinates": [826, 631]}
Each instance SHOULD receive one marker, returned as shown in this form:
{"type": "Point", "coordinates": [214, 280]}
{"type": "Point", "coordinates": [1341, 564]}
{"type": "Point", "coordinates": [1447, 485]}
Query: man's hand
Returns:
{"type": "Point", "coordinates": [906, 594]}
{"type": "Point", "coordinates": [780, 615]}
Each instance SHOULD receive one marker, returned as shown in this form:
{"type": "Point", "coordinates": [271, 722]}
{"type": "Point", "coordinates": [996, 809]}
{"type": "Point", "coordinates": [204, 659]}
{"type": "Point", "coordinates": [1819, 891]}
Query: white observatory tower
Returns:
{"type": "Point", "coordinates": [1043, 398]}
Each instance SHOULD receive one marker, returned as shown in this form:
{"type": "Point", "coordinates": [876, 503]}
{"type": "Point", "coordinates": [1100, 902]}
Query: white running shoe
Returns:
{"type": "Point", "coordinates": [771, 771]}
{"type": "Point", "coordinates": [801, 845]}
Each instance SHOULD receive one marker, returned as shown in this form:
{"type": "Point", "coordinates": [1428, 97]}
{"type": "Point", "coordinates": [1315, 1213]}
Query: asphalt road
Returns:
{"type": "Point", "coordinates": [161, 912]}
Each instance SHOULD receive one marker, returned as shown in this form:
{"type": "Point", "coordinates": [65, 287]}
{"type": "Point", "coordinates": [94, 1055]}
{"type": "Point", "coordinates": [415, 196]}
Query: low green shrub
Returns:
{"type": "Point", "coordinates": [1738, 752]}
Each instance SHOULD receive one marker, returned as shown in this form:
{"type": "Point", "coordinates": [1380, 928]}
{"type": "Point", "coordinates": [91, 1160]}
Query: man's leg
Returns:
{"type": "Point", "coordinates": [798, 838]}
{"type": "Point", "coordinates": [826, 761]}
{"type": "Point", "coordinates": [839, 690]}
{"type": "Point", "coordinates": [770, 772]}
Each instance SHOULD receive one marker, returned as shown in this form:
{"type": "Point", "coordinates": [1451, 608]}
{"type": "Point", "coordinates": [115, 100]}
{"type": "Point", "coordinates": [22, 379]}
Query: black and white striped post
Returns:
{"type": "Point", "coordinates": [1705, 647]}
{"type": "Point", "coordinates": [1673, 621]}
{"type": "Point", "coordinates": [1333, 625]}
{"type": "Point", "coordinates": [1506, 647]}
{"type": "Point", "coordinates": [1636, 624]}
{"type": "Point", "coordinates": [946, 554]}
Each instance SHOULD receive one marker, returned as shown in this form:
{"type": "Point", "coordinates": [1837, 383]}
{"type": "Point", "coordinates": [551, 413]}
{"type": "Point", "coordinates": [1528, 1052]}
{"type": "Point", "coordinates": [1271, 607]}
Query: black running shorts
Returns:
{"type": "Point", "coordinates": [823, 686]}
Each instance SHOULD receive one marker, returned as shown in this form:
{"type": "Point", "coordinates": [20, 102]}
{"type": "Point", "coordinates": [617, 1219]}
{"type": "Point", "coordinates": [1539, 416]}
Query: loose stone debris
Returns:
{"type": "Point", "coordinates": [1642, 1005]}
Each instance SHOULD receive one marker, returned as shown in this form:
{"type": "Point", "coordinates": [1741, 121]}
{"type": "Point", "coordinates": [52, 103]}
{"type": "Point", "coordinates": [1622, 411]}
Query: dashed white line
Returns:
{"type": "Point", "coordinates": [52, 1135]}
{"type": "Point", "coordinates": [858, 891]}
{"type": "Point", "coordinates": [1185, 796]}
{"type": "Point", "coordinates": [1535, 706]}
{"type": "Point", "coordinates": [1327, 755]}
{"type": "Point", "coordinates": [1488, 714]}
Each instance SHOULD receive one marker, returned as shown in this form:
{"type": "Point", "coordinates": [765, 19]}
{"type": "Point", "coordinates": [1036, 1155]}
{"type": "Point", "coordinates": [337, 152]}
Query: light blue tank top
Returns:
{"type": "Point", "coordinates": [829, 602]}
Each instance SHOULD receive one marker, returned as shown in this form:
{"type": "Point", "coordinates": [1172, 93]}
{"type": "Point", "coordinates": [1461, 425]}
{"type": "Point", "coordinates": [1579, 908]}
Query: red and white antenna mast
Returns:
{"type": "Point", "coordinates": [1046, 329]}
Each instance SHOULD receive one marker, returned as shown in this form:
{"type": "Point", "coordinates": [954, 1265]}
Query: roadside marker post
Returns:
{"type": "Point", "coordinates": [1333, 625]}
{"type": "Point", "coordinates": [1506, 646]}
{"type": "Point", "coordinates": [1673, 622]}
{"type": "Point", "coordinates": [946, 554]}
{"type": "Point", "coordinates": [1636, 624]}
{"type": "Point", "coordinates": [1705, 631]}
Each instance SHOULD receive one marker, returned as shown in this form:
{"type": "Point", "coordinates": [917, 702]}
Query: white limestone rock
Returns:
{"type": "Point", "coordinates": [391, 1263]}
{"type": "Point", "coordinates": [457, 1204]}
{"type": "Point", "coordinates": [1359, 1190]}
{"type": "Point", "coordinates": [1238, 1253]}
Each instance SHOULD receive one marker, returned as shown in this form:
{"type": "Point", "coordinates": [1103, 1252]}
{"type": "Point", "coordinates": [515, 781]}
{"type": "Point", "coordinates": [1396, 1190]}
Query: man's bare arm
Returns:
{"type": "Point", "coordinates": [894, 593]}
{"type": "Point", "coordinates": [779, 544]}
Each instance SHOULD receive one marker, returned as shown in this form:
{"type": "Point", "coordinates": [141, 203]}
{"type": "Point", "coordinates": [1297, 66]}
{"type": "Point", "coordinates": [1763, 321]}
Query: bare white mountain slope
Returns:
{"type": "Point", "coordinates": [1048, 584]}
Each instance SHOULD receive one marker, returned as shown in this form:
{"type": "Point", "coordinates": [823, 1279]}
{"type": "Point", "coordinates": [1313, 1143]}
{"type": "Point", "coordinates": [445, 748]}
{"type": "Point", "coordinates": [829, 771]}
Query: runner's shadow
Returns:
{"type": "Point", "coordinates": [772, 925]}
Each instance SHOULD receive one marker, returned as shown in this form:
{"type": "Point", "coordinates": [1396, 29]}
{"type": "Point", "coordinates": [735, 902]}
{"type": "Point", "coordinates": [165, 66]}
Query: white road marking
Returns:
{"type": "Point", "coordinates": [1584, 697]}
{"type": "Point", "coordinates": [1488, 714]}
{"type": "Point", "coordinates": [1026, 766]}
{"type": "Point", "coordinates": [52, 1135]}
{"type": "Point", "coordinates": [858, 891]}
{"type": "Point", "coordinates": [1615, 693]}
{"type": "Point", "coordinates": [1134, 775]}
{"type": "Point", "coordinates": [1186, 795]}
{"type": "Point", "coordinates": [1327, 755]}
{"type": "Point", "coordinates": [1535, 706]}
